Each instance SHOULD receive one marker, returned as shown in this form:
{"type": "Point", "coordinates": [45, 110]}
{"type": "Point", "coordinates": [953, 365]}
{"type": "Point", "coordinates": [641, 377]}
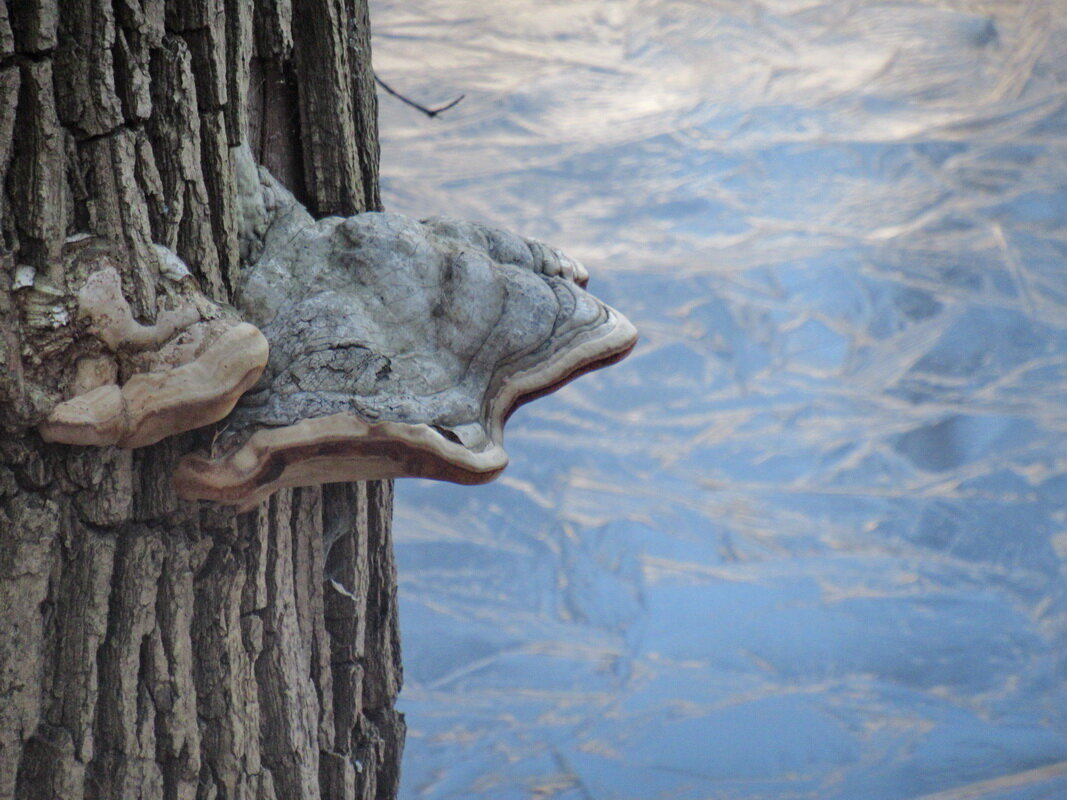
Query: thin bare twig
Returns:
{"type": "Point", "coordinates": [430, 112]}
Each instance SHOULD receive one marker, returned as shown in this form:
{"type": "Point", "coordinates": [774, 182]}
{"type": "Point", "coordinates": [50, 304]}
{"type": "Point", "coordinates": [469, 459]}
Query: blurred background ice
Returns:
{"type": "Point", "coordinates": [810, 540]}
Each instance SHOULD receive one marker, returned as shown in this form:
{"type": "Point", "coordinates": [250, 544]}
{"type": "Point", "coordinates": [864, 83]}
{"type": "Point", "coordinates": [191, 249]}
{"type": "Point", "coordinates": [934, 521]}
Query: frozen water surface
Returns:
{"type": "Point", "coordinates": [809, 541]}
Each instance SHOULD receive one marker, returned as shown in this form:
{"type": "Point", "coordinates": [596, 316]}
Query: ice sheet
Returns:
{"type": "Point", "coordinates": [810, 540]}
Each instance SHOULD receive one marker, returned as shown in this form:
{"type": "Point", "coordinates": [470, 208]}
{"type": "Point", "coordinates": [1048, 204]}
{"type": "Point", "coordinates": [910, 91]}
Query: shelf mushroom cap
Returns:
{"type": "Point", "coordinates": [151, 406]}
{"type": "Point", "coordinates": [399, 348]}
{"type": "Point", "coordinates": [185, 371]}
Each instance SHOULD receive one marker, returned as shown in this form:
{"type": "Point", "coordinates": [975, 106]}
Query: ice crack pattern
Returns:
{"type": "Point", "coordinates": [809, 541]}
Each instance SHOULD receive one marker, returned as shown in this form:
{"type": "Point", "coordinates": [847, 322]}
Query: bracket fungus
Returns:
{"type": "Point", "coordinates": [397, 347]}
{"type": "Point", "coordinates": [186, 370]}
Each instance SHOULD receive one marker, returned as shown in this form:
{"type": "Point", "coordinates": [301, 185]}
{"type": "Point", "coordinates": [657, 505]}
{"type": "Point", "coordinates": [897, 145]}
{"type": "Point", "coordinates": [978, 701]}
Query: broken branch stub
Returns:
{"type": "Point", "coordinates": [398, 348]}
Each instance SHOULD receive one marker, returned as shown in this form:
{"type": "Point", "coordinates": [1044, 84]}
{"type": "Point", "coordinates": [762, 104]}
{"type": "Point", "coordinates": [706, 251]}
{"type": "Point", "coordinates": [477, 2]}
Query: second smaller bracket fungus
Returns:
{"type": "Point", "coordinates": [398, 348]}
{"type": "Point", "coordinates": [182, 372]}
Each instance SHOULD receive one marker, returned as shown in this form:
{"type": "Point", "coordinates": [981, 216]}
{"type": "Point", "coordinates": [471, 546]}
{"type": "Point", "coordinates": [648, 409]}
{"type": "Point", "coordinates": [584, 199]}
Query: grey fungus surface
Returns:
{"type": "Point", "coordinates": [398, 348]}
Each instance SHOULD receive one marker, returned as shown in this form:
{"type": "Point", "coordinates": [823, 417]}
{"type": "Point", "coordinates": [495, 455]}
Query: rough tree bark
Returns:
{"type": "Point", "coordinates": [153, 648]}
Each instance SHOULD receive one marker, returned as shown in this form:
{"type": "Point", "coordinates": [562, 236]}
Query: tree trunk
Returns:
{"type": "Point", "coordinates": [150, 647]}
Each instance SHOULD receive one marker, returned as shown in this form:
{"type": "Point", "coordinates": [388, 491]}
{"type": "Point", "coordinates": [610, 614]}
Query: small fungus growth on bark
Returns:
{"type": "Point", "coordinates": [150, 381]}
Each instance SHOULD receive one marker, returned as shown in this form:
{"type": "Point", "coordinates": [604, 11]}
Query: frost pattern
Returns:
{"type": "Point", "coordinates": [810, 539]}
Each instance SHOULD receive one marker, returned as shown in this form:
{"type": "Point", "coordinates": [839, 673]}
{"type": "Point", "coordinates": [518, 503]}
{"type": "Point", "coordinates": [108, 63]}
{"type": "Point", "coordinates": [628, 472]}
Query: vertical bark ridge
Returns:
{"type": "Point", "coordinates": [202, 25]}
{"type": "Point", "coordinates": [85, 70]}
{"type": "Point", "coordinates": [274, 124]}
{"type": "Point", "coordinates": [364, 102]}
{"type": "Point", "coordinates": [37, 174]}
{"type": "Point", "coordinates": [238, 60]}
{"type": "Point", "coordinates": [382, 726]}
{"type": "Point", "coordinates": [7, 36]}
{"type": "Point", "coordinates": [322, 56]}
{"type": "Point", "coordinates": [34, 25]}
{"type": "Point", "coordinates": [118, 209]}
{"type": "Point", "coordinates": [123, 762]}
{"type": "Point", "coordinates": [219, 180]}
{"type": "Point", "coordinates": [182, 220]}
{"type": "Point", "coordinates": [26, 560]}
{"type": "Point", "coordinates": [287, 694]}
